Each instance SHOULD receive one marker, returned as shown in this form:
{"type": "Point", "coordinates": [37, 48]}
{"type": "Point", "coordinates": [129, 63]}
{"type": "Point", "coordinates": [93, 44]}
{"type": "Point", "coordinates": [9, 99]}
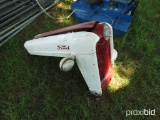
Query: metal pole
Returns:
{"type": "Point", "coordinates": [16, 30]}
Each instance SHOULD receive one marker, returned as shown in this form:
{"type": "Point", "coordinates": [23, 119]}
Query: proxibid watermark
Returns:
{"type": "Point", "coordinates": [145, 112]}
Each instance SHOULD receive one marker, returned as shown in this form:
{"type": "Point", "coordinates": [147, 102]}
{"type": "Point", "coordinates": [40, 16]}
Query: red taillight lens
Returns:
{"type": "Point", "coordinates": [104, 61]}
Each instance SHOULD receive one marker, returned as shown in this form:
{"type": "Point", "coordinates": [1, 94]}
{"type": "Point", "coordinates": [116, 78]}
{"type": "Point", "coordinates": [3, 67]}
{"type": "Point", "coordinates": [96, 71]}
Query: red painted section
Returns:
{"type": "Point", "coordinates": [103, 57]}
{"type": "Point", "coordinates": [79, 27]}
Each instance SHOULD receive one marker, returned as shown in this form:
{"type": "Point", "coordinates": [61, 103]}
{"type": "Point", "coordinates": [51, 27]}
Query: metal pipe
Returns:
{"type": "Point", "coordinates": [20, 27]}
{"type": "Point", "coordinates": [18, 21]}
{"type": "Point", "coordinates": [15, 7]}
{"type": "Point", "coordinates": [11, 19]}
{"type": "Point", "coordinates": [12, 13]}
{"type": "Point", "coordinates": [15, 31]}
{"type": "Point", "coordinates": [17, 28]}
{"type": "Point", "coordinates": [8, 3]}
{"type": "Point", "coordinates": [2, 1]}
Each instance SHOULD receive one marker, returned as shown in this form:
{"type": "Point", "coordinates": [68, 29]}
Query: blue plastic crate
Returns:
{"type": "Point", "coordinates": [118, 13]}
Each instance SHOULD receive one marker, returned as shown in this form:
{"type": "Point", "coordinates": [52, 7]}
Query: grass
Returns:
{"type": "Point", "coordinates": [33, 87]}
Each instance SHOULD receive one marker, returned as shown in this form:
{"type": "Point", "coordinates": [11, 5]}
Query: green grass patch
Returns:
{"type": "Point", "coordinates": [33, 87]}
